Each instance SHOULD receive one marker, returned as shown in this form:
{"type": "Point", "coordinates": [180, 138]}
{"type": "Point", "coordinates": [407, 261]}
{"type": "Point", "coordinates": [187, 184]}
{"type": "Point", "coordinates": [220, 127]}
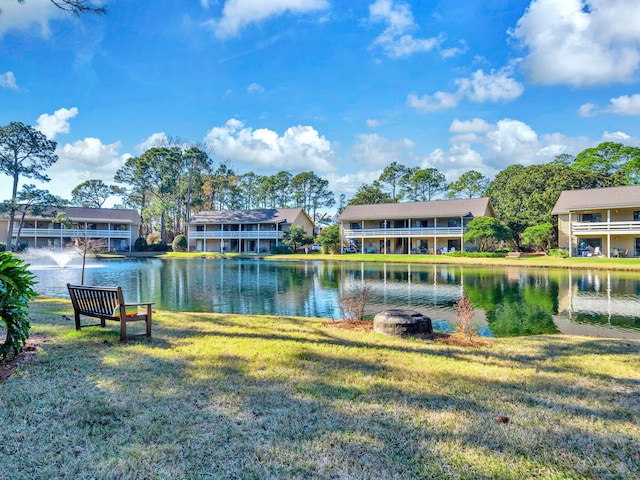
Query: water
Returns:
{"type": "Point", "coordinates": [508, 301]}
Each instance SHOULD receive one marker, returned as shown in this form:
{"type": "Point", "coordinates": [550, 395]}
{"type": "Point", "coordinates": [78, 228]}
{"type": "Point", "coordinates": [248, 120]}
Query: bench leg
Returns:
{"type": "Point", "coordinates": [123, 330]}
{"type": "Point", "coordinates": [148, 321]}
{"type": "Point", "coordinates": [77, 317]}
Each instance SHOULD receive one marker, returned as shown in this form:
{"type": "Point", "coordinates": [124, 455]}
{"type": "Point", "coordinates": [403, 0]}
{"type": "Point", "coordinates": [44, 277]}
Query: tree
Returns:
{"type": "Point", "coordinates": [422, 184]}
{"type": "Point", "coordinates": [35, 201]}
{"type": "Point", "coordinates": [525, 196]}
{"type": "Point", "coordinates": [538, 236]}
{"type": "Point", "coordinates": [485, 229]}
{"type": "Point", "coordinates": [614, 164]}
{"type": "Point", "coordinates": [76, 7]}
{"type": "Point", "coordinates": [24, 151]}
{"type": "Point", "coordinates": [391, 177]}
{"type": "Point", "coordinates": [196, 163]}
{"type": "Point", "coordinates": [330, 238]}
{"type": "Point", "coordinates": [297, 237]}
{"type": "Point", "coordinates": [311, 192]}
{"type": "Point", "coordinates": [470, 184]}
{"type": "Point", "coordinates": [92, 193]}
{"type": "Point", "coordinates": [370, 195]}
{"type": "Point", "coordinates": [180, 243]}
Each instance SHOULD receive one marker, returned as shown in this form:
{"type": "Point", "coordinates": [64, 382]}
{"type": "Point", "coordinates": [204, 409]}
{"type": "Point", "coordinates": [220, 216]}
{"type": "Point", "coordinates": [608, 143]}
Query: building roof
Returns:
{"type": "Point", "coordinates": [458, 207]}
{"type": "Point", "coordinates": [102, 215]}
{"type": "Point", "coordinates": [265, 215]}
{"type": "Point", "coordinates": [594, 198]}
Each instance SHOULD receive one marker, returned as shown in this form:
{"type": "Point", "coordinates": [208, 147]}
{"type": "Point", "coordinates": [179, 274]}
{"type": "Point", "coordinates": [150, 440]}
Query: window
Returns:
{"type": "Point", "coordinates": [453, 222]}
{"type": "Point", "coordinates": [399, 223]}
{"type": "Point", "coordinates": [636, 216]}
{"type": "Point", "coordinates": [199, 228]}
{"type": "Point", "coordinates": [355, 226]}
{"type": "Point", "coordinates": [591, 217]}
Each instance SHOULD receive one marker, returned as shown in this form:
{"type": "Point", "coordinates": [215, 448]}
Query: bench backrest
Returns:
{"type": "Point", "coordinates": [95, 300]}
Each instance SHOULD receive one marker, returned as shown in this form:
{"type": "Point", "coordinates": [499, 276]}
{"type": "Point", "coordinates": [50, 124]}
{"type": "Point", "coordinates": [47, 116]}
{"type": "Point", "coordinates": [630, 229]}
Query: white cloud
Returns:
{"type": "Point", "coordinates": [52, 125]}
{"type": "Point", "coordinates": [372, 123]}
{"type": "Point", "coordinates": [255, 88]}
{"type": "Point", "coordinates": [299, 148]}
{"type": "Point", "coordinates": [625, 105]}
{"type": "Point", "coordinates": [32, 14]}
{"type": "Point", "coordinates": [375, 151]}
{"type": "Point", "coordinates": [496, 86]}
{"type": "Point", "coordinates": [158, 139]}
{"type": "Point", "coordinates": [395, 41]}
{"type": "Point", "coordinates": [237, 14]}
{"type": "Point", "coordinates": [84, 160]}
{"type": "Point", "coordinates": [477, 125]}
{"type": "Point", "coordinates": [587, 110]}
{"type": "Point", "coordinates": [350, 182]}
{"type": "Point", "coordinates": [8, 80]}
{"type": "Point", "coordinates": [581, 43]}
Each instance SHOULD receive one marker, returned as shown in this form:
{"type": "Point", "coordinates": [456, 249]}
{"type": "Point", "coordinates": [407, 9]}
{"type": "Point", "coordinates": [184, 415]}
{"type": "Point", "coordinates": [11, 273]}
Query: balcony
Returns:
{"type": "Point", "coordinates": [605, 228]}
{"type": "Point", "coordinates": [232, 234]}
{"type": "Point", "coordinates": [404, 232]}
{"type": "Point", "coordinates": [71, 233]}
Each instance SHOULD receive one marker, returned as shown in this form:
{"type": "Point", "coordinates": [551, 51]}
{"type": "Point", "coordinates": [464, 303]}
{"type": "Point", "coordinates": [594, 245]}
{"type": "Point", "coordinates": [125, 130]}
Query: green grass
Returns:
{"type": "Point", "coordinates": [226, 396]}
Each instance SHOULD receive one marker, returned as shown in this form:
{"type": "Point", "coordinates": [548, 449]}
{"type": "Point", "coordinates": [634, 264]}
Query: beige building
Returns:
{"type": "Point", "coordinates": [117, 228]}
{"type": "Point", "coordinates": [599, 221]}
{"type": "Point", "coordinates": [242, 231]}
{"type": "Point", "coordinates": [411, 227]}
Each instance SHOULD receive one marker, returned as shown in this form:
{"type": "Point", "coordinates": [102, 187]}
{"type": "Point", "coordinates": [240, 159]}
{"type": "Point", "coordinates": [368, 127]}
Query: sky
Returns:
{"type": "Point", "coordinates": [340, 88]}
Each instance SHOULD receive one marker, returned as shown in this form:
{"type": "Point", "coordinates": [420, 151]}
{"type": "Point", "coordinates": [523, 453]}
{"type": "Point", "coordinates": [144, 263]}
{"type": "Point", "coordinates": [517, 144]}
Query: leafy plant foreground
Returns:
{"type": "Point", "coordinates": [224, 396]}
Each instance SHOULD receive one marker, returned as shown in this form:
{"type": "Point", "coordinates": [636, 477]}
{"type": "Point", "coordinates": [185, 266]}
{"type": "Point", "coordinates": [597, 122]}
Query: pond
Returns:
{"type": "Point", "coordinates": [508, 301]}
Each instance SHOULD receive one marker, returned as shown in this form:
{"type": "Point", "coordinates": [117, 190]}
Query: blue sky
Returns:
{"type": "Point", "coordinates": [342, 88]}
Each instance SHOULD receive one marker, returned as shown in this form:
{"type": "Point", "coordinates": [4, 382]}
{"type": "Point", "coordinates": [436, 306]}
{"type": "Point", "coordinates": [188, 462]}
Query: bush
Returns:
{"type": "Point", "coordinates": [152, 238]}
{"type": "Point", "coordinates": [352, 304]}
{"type": "Point", "coordinates": [558, 252]}
{"type": "Point", "coordinates": [180, 244]}
{"type": "Point", "coordinates": [16, 284]}
{"type": "Point", "coordinates": [476, 254]}
{"type": "Point", "coordinates": [140, 245]}
{"type": "Point", "coordinates": [464, 318]}
{"type": "Point", "coordinates": [280, 249]}
{"type": "Point", "coordinates": [159, 247]}
{"type": "Point", "coordinates": [3, 247]}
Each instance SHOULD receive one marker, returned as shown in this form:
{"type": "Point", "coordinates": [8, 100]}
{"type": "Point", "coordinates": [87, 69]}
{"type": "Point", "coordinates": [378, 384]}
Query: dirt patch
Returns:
{"type": "Point", "coordinates": [360, 325]}
{"type": "Point", "coordinates": [29, 353]}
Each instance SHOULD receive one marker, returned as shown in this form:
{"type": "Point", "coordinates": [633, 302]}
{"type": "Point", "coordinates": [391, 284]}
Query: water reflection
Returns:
{"type": "Point", "coordinates": [509, 301]}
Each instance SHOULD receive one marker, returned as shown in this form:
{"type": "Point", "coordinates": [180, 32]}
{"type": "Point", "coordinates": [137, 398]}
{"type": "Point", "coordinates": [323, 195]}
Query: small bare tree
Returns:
{"type": "Point", "coordinates": [352, 305]}
{"type": "Point", "coordinates": [463, 319]}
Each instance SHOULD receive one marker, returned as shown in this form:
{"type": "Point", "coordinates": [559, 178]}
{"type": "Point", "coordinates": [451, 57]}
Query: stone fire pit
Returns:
{"type": "Point", "coordinates": [401, 322]}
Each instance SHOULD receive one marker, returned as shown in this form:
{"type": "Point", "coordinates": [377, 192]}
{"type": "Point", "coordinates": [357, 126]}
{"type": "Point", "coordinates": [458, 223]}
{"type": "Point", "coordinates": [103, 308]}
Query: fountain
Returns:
{"type": "Point", "coordinates": [49, 257]}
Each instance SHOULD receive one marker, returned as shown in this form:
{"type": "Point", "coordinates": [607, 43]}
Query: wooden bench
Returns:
{"type": "Point", "coordinates": [107, 303]}
{"type": "Point", "coordinates": [513, 254]}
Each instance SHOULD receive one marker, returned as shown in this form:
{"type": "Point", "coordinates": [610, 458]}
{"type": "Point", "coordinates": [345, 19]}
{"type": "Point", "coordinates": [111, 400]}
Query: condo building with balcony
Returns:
{"type": "Point", "coordinates": [117, 229]}
{"type": "Point", "coordinates": [599, 221]}
{"type": "Point", "coordinates": [243, 231]}
{"type": "Point", "coordinates": [411, 227]}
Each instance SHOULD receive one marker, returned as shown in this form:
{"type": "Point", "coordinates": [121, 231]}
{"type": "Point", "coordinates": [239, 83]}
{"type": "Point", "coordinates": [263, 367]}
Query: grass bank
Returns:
{"type": "Point", "coordinates": [225, 396]}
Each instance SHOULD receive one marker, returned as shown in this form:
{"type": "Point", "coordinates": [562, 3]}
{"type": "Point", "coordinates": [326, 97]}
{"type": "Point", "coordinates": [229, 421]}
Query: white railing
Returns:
{"type": "Point", "coordinates": [404, 232]}
{"type": "Point", "coordinates": [253, 235]}
{"type": "Point", "coordinates": [605, 227]}
{"type": "Point", "coordinates": [72, 233]}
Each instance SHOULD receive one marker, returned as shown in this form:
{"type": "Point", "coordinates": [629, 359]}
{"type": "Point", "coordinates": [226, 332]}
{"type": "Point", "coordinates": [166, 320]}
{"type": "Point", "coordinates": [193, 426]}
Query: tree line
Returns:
{"type": "Point", "coordinates": [169, 183]}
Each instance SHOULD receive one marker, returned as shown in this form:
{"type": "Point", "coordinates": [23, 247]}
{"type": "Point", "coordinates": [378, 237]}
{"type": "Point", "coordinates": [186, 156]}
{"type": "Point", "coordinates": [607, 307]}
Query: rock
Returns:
{"type": "Point", "coordinates": [502, 419]}
{"type": "Point", "coordinates": [401, 322]}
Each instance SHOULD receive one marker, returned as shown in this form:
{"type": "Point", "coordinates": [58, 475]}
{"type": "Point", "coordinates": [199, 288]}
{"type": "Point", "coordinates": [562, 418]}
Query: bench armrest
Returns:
{"type": "Point", "coordinates": [137, 304]}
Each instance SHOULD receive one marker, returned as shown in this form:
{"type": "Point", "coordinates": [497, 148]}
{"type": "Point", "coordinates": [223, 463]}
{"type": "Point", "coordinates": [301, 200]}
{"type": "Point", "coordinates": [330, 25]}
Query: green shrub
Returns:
{"type": "Point", "coordinates": [16, 290]}
{"type": "Point", "coordinates": [476, 254]}
{"type": "Point", "coordinates": [557, 252]}
{"type": "Point", "coordinates": [3, 247]}
{"type": "Point", "coordinates": [180, 244]}
{"type": "Point", "coordinates": [140, 245]}
{"type": "Point", "coordinates": [280, 249]}
{"type": "Point", "coordinates": [159, 247]}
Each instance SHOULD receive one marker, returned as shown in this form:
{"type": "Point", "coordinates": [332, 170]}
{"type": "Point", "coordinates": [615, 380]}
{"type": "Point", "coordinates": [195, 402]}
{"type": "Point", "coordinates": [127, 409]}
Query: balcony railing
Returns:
{"type": "Point", "coordinates": [404, 232]}
{"type": "Point", "coordinates": [253, 235]}
{"type": "Point", "coordinates": [72, 233]}
{"type": "Point", "coordinates": [578, 228]}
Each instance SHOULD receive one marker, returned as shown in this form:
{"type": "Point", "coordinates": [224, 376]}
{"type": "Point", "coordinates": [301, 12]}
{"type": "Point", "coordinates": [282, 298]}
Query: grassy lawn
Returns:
{"type": "Point", "coordinates": [225, 396]}
{"type": "Point", "coordinates": [527, 260]}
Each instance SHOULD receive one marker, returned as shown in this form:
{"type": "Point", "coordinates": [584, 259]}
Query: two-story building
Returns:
{"type": "Point", "coordinates": [599, 221]}
{"type": "Point", "coordinates": [117, 229]}
{"type": "Point", "coordinates": [411, 227]}
{"type": "Point", "coordinates": [241, 231]}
